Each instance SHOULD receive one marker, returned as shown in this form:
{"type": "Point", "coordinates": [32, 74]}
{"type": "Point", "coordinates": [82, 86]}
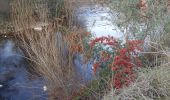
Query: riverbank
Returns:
{"type": "Point", "coordinates": [73, 50]}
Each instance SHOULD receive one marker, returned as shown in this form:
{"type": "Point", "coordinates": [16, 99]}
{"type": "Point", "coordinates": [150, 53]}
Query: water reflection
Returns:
{"type": "Point", "coordinates": [15, 83]}
{"type": "Point", "coordinates": [98, 20]}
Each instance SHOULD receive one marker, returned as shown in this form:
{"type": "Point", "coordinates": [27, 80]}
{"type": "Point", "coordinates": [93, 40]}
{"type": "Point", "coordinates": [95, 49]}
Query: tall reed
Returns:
{"type": "Point", "coordinates": [46, 49]}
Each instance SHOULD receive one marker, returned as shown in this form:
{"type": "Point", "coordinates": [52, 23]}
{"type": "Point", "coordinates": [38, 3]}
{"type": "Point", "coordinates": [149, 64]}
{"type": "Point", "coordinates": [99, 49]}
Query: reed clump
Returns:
{"type": "Point", "coordinates": [41, 35]}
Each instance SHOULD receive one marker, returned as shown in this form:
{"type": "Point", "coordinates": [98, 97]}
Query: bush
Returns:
{"type": "Point", "coordinates": [120, 58]}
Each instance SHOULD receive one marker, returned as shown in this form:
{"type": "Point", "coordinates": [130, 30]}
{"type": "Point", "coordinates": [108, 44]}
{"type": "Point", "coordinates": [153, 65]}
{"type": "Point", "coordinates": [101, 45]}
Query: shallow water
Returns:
{"type": "Point", "coordinates": [98, 20]}
{"type": "Point", "coordinates": [15, 83]}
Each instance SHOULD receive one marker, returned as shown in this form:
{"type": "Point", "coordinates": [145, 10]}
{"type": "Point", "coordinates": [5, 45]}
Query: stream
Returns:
{"type": "Point", "coordinates": [15, 83]}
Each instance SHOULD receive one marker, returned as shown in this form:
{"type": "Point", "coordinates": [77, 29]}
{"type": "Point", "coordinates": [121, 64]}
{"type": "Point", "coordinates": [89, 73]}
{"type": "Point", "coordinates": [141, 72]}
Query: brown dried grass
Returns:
{"type": "Point", "coordinates": [46, 50]}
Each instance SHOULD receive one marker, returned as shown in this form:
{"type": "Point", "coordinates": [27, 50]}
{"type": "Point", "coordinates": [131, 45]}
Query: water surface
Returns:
{"type": "Point", "coordinates": [15, 83]}
{"type": "Point", "coordinates": [99, 20]}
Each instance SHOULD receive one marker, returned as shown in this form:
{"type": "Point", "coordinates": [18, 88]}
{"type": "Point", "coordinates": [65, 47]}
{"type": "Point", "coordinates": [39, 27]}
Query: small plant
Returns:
{"type": "Point", "coordinates": [122, 59]}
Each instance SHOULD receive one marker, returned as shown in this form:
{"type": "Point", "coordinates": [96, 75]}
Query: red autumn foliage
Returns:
{"type": "Point", "coordinates": [75, 41]}
{"type": "Point", "coordinates": [111, 41]}
{"type": "Point", "coordinates": [123, 63]}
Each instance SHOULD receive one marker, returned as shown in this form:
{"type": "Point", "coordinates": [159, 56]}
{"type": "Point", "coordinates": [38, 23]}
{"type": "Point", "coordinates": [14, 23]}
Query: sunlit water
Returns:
{"type": "Point", "coordinates": [100, 21]}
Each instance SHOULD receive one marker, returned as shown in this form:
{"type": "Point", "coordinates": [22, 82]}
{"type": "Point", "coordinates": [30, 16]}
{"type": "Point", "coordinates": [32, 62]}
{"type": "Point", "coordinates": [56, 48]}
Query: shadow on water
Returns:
{"type": "Point", "coordinates": [83, 70]}
{"type": "Point", "coordinates": [15, 83]}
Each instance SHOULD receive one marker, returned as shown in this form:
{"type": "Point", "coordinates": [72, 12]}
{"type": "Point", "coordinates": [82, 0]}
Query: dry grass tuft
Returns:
{"type": "Point", "coordinates": [46, 49]}
{"type": "Point", "coordinates": [152, 84]}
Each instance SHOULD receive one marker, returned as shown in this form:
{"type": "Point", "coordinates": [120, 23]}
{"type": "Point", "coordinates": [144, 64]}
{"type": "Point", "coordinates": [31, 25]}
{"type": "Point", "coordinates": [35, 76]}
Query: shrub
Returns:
{"type": "Point", "coordinates": [121, 58]}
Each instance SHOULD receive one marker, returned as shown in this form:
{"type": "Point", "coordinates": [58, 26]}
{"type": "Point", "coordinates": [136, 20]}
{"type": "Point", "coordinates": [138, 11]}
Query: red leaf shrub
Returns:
{"type": "Point", "coordinates": [106, 40]}
{"type": "Point", "coordinates": [125, 59]}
